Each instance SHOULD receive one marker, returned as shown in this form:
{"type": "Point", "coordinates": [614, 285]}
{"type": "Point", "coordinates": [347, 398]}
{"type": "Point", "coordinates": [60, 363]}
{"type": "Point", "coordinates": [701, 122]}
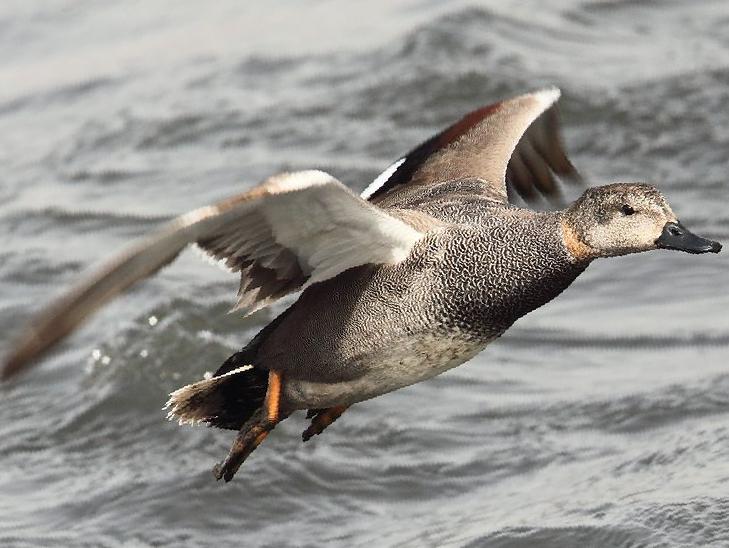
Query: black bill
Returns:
{"type": "Point", "coordinates": [677, 236]}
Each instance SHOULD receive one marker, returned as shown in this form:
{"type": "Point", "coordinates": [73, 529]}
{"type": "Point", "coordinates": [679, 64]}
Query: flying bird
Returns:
{"type": "Point", "coordinates": [416, 276]}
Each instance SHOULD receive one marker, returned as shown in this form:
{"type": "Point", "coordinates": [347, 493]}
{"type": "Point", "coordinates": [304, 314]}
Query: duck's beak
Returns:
{"type": "Point", "coordinates": [677, 236]}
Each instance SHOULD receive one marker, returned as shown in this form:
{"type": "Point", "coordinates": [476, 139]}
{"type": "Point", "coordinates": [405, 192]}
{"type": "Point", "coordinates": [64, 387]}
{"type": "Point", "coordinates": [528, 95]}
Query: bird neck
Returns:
{"type": "Point", "coordinates": [577, 249]}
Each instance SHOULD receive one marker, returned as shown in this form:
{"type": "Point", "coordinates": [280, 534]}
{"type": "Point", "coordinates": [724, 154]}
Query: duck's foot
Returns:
{"type": "Point", "coordinates": [320, 419]}
{"type": "Point", "coordinates": [254, 431]}
{"type": "Point", "coordinates": [249, 437]}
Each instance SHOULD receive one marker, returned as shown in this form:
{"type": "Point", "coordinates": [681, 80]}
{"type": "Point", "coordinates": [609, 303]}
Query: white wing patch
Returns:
{"type": "Point", "coordinates": [381, 179]}
{"type": "Point", "coordinates": [516, 139]}
{"type": "Point", "coordinates": [547, 96]}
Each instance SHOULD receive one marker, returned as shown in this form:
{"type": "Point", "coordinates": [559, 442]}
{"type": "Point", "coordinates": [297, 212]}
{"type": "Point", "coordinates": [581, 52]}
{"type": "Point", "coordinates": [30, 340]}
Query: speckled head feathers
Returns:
{"type": "Point", "coordinates": [616, 219]}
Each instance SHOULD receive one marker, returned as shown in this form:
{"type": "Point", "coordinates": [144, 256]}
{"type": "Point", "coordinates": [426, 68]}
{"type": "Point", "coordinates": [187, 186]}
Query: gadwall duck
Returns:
{"type": "Point", "coordinates": [412, 278]}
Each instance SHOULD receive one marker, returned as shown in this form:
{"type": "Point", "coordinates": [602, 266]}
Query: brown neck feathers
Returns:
{"type": "Point", "coordinates": [578, 249]}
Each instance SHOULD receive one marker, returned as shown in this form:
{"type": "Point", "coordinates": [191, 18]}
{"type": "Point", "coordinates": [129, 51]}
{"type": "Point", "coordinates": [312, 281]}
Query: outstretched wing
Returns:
{"type": "Point", "coordinates": [293, 229]}
{"type": "Point", "coordinates": [514, 143]}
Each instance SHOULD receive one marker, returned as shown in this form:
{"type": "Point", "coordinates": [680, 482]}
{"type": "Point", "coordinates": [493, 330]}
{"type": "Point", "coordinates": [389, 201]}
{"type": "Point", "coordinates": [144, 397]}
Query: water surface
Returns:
{"type": "Point", "coordinates": [599, 420]}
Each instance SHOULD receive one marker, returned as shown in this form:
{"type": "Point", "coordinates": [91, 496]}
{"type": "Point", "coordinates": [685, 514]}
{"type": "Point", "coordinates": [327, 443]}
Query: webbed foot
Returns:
{"type": "Point", "coordinates": [320, 419]}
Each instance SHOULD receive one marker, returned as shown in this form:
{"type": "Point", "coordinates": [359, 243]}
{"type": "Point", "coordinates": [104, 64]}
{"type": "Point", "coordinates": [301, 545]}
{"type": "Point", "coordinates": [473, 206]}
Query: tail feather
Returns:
{"type": "Point", "coordinates": [226, 400]}
{"type": "Point", "coordinates": [199, 401]}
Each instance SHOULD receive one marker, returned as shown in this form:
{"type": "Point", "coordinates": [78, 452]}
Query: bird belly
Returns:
{"type": "Point", "coordinates": [396, 366]}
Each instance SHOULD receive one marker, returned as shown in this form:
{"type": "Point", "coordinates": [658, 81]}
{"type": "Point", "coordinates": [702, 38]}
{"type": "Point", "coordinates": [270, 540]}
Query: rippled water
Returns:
{"type": "Point", "coordinates": [600, 420]}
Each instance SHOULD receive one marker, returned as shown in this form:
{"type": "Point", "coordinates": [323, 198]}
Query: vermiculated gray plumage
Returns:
{"type": "Point", "coordinates": [409, 280]}
{"type": "Point", "coordinates": [465, 284]}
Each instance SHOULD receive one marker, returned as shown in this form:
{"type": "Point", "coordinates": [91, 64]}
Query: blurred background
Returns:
{"type": "Point", "coordinates": [601, 419]}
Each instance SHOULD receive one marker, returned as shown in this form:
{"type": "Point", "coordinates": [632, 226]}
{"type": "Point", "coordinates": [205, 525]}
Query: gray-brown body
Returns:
{"type": "Point", "coordinates": [410, 279]}
{"type": "Point", "coordinates": [374, 329]}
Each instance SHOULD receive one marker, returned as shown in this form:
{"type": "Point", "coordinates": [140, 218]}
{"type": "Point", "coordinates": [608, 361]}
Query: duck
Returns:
{"type": "Point", "coordinates": [430, 264]}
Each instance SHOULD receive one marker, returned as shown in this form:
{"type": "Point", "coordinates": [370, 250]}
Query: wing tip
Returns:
{"type": "Point", "coordinates": [12, 364]}
{"type": "Point", "coordinates": [547, 96]}
{"type": "Point", "coordinates": [295, 180]}
{"type": "Point", "coordinates": [23, 352]}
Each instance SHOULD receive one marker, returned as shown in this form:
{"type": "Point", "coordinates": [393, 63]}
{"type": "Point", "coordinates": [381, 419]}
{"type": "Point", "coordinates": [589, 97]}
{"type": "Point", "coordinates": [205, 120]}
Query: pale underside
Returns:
{"type": "Point", "coordinates": [401, 364]}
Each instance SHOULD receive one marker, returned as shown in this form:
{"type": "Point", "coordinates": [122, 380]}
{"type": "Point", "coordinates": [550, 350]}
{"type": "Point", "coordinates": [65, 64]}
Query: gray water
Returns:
{"type": "Point", "coordinates": [600, 420]}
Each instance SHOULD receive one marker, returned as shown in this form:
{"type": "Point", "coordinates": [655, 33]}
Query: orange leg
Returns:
{"type": "Point", "coordinates": [273, 397]}
{"type": "Point", "coordinates": [320, 419]}
{"type": "Point", "coordinates": [254, 431]}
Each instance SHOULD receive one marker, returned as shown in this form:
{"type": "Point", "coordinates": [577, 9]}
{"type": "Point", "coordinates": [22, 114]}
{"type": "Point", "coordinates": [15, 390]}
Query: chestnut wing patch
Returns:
{"type": "Point", "coordinates": [514, 145]}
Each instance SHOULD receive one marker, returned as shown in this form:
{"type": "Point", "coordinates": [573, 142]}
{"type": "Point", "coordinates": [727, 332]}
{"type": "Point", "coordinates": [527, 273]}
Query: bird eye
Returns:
{"type": "Point", "coordinates": [627, 210]}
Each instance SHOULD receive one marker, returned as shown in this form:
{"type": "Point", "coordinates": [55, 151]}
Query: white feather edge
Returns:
{"type": "Point", "coordinates": [547, 96]}
{"type": "Point", "coordinates": [287, 182]}
{"type": "Point", "coordinates": [206, 257]}
{"type": "Point", "coordinates": [172, 403]}
{"type": "Point", "coordinates": [381, 179]}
